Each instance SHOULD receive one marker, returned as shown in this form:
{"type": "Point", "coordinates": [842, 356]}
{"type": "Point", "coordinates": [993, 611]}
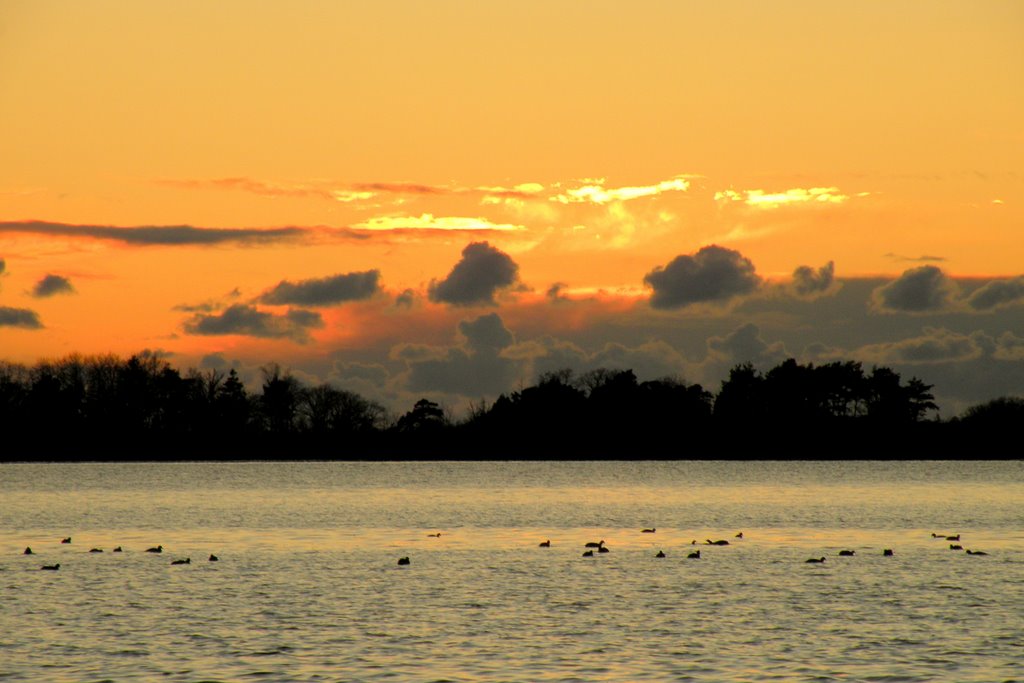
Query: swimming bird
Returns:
{"type": "Point", "coordinates": [887, 552]}
{"type": "Point", "coordinates": [437, 535]}
{"type": "Point", "coordinates": [694, 542]}
{"type": "Point", "coordinates": [66, 540]}
{"type": "Point", "coordinates": [846, 553]}
{"type": "Point", "coordinates": [545, 544]}
{"type": "Point", "coordinates": [739, 535]}
{"type": "Point", "coordinates": [588, 553]}
{"type": "Point", "coordinates": [660, 554]}
{"type": "Point", "coordinates": [694, 555]}
{"type": "Point", "coordinates": [95, 550]}
{"type": "Point", "coordinates": [976, 552]}
{"type": "Point", "coordinates": [158, 549]}
{"type": "Point", "coordinates": [117, 549]}
{"type": "Point", "coordinates": [28, 551]}
{"type": "Point", "coordinates": [403, 560]}
{"type": "Point", "coordinates": [648, 531]}
{"type": "Point", "coordinates": [816, 560]}
{"type": "Point", "coordinates": [953, 538]}
{"type": "Point", "coordinates": [214, 558]}
{"type": "Point", "coordinates": [955, 546]}
{"type": "Point", "coordinates": [592, 544]}
{"type": "Point", "coordinates": [51, 567]}
{"type": "Point", "coordinates": [187, 560]}
{"type": "Point", "coordinates": [710, 542]}
{"type": "Point", "coordinates": [603, 549]}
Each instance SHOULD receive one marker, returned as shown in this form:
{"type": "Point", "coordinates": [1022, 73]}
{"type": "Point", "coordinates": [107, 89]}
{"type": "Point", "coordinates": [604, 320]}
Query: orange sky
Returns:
{"type": "Point", "coordinates": [590, 142]}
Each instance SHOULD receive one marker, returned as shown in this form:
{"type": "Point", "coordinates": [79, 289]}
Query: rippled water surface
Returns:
{"type": "Point", "coordinates": [308, 587]}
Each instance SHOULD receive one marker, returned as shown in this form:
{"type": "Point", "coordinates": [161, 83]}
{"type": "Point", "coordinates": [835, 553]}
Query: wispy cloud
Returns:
{"type": "Point", "coordinates": [159, 235]}
{"type": "Point", "coordinates": [351, 192]}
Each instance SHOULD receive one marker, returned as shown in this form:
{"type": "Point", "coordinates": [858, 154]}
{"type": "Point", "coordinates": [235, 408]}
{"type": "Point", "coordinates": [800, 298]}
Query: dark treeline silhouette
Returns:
{"type": "Point", "coordinates": [105, 407]}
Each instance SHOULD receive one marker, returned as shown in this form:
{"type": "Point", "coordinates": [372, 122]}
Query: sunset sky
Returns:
{"type": "Point", "coordinates": [444, 199]}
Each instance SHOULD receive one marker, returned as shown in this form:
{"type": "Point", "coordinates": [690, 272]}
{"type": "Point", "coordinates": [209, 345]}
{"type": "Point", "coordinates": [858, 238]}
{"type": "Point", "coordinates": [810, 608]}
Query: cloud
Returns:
{"type": "Point", "coordinates": [156, 235]}
{"type": "Point", "coordinates": [744, 344]}
{"type": "Point", "coordinates": [555, 292]}
{"type": "Point", "coordinates": [476, 278]}
{"type": "Point", "coordinates": [596, 193]}
{"type": "Point", "coordinates": [936, 345]}
{"type": "Point", "coordinates": [19, 317]}
{"type": "Point", "coordinates": [405, 299]}
{"type": "Point", "coordinates": [918, 290]}
{"type": "Point", "coordinates": [712, 274]}
{"type": "Point", "coordinates": [325, 291]}
{"type": "Point", "coordinates": [920, 259]}
{"type": "Point", "coordinates": [475, 368]}
{"type": "Point", "coordinates": [428, 221]}
{"type": "Point", "coordinates": [997, 294]}
{"type": "Point", "coordinates": [52, 285]}
{"type": "Point", "coordinates": [486, 333]}
{"type": "Point", "coordinates": [808, 283]}
{"type": "Point", "coordinates": [247, 320]}
{"type": "Point", "coordinates": [772, 200]}
{"type": "Point", "coordinates": [1009, 347]}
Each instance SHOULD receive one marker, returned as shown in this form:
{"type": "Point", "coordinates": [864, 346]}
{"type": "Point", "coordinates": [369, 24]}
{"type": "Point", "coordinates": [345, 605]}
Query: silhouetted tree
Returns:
{"type": "Point", "coordinates": [742, 397]}
{"type": "Point", "coordinates": [279, 401]}
{"type": "Point", "coordinates": [425, 418]}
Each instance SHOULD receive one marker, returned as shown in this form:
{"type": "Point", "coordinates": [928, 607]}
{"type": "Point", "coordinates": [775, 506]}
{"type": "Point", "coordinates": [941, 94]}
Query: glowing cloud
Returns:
{"type": "Point", "coordinates": [596, 193]}
{"type": "Point", "coordinates": [795, 196]}
{"type": "Point", "coordinates": [430, 222]}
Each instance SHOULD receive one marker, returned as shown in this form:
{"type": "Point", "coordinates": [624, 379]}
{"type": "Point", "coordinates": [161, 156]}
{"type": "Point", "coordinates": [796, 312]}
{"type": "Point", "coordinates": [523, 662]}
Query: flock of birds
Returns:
{"type": "Point", "coordinates": [591, 548]}
{"type": "Point", "coordinates": [600, 547]}
{"type": "Point", "coordinates": [155, 549]}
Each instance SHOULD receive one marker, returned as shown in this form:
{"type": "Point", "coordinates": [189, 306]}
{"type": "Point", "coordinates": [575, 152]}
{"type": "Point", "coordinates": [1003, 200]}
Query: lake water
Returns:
{"type": "Point", "coordinates": [307, 586]}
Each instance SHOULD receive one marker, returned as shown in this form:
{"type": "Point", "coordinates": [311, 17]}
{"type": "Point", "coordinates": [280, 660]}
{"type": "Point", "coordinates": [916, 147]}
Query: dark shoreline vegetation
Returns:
{"type": "Point", "coordinates": [142, 408]}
